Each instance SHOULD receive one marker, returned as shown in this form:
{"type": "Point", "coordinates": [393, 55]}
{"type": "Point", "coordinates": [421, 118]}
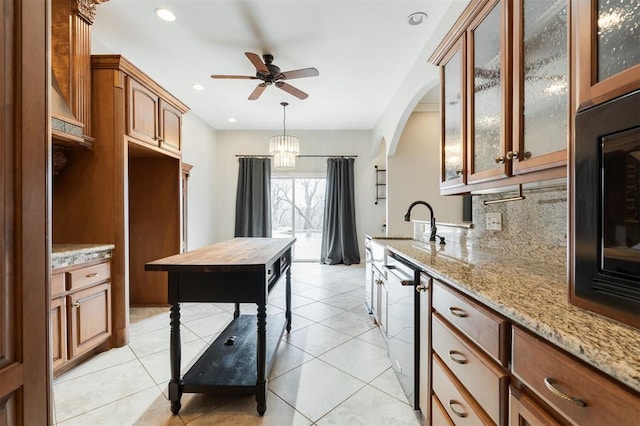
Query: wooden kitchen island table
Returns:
{"type": "Point", "coordinates": [240, 270]}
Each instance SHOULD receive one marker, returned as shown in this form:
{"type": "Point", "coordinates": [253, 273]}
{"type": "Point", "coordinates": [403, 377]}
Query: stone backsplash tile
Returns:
{"type": "Point", "coordinates": [534, 228]}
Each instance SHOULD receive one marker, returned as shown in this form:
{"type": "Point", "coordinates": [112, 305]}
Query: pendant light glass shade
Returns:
{"type": "Point", "coordinates": [284, 148]}
{"type": "Point", "coordinates": [284, 160]}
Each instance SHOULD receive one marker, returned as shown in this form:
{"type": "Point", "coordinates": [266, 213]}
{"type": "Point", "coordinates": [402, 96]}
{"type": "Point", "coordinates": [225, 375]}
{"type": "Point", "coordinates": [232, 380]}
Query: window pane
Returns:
{"type": "Point", "coordinates": [309, 201]}
{"type": "Point", "coordinates": [281, 203]}
{"type": "Point", "coordinates": [303, 222]}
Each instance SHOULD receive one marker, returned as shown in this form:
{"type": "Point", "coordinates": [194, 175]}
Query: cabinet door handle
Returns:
{"type": "Point", "coordinates": [461, 414]}
{"type": "Point", "coordinates": [458, 357]}
{"type": "Point", "coordinates": [458, 312]}
{"type": "Point", "coordinates": [549, 382]}
{"type": "Point", "coordinates": [512, 155]}
{"type": "Point", "coordinates": [422, 287]}
{"type": "Point", "coordinates": [91, 275]}
{"type": "Point", "coordinates": [75, 305]}
{"type": "Point", "coordinates": [500, 160]}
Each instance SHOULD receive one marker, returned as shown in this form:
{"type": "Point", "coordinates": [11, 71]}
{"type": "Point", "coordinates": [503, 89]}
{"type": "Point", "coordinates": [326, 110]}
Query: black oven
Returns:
{"type": "Point", "coordinates": [606, 210]}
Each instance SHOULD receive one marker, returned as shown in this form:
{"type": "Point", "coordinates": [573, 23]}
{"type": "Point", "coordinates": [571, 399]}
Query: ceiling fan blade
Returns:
{"type": "Point", "coordinates": [257, 91]}
{"type": "Point", "coordinates": [244, 77]}
{"type": "Point", "coordinates": [257, 62]}
{"type": "Point", "coordinates": [292, 90]}
{"type": "Point", "coordinates": [305, 72]}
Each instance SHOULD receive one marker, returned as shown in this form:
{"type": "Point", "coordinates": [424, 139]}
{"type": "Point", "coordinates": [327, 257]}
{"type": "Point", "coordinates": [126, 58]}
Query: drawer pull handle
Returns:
{"type": "Point", "coordinates": [75, 305]}
{"type": "Point", "coordinates": [549, 382]}
{"type": "Point", "coordinates": [92, 275]}
{"type": "Point", "coordinates": [460, 358]}
{"type": "Point", "coordinates": [461, 414]}
{"type": "Point", "coordinates": [422, 287]}
{"type": "Point", "coordinates": [460, 313]}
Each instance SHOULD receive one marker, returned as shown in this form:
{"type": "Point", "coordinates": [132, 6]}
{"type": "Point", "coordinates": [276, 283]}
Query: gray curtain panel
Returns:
{"type": "Point", "coordinates": [253, 198]}
{"type": "Point", "coordinates": [339, 239]}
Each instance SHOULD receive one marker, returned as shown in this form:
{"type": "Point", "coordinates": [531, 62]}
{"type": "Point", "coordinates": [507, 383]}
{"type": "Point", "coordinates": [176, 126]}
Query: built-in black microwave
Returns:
{"type": "Point", "coordinates": [605, 215]}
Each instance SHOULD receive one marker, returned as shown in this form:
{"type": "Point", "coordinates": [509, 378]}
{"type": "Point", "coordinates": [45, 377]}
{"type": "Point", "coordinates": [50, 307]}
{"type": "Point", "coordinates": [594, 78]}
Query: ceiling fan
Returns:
{"type": "Point", "coordinates": [271, 74]}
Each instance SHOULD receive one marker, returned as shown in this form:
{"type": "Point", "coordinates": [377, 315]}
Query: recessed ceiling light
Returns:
{"type": "Point", "coordinates": [197, 86]}
{"type": "Point", "coordinates": [165, 14]}
{"type": "Point", "coordinates": [416, 18]}
{"type": "Point", "coordinates": [231, 120]}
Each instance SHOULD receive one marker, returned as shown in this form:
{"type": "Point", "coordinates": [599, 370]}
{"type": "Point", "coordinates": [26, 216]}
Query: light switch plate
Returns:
{"type": "Point", "coordinates": [494, 221]}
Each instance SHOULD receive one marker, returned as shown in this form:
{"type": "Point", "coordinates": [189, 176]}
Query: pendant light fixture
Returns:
{"type": "Point", "coordinates": [284, 148]}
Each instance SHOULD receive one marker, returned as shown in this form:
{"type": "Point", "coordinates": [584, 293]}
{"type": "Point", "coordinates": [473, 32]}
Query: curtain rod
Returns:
{"type": "Point", "coordinates": [299, 156]}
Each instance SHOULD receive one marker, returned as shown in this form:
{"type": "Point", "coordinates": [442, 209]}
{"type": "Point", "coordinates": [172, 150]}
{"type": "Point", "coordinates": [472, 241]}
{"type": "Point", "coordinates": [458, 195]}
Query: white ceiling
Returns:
{"type": "Point", "coordinates": [363, 50]}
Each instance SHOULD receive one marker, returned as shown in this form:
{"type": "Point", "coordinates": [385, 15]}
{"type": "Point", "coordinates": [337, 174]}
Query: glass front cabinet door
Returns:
{"type": "Point", "coordinates": [608, 37]}
{"type": "Point", "coordinates": [540, 85]}
{"type": "Point", "coordinates": [487, 110]}
{"type": "Point", "coordinates": [453, 117]}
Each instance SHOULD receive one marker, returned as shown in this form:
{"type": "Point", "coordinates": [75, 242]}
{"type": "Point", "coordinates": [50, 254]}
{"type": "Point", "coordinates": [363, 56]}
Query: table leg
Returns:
{"type": "Point", "coordinates": [288, 299]}
{"type": "Point", "coordinates": [236, 311]}
{"type": "Point", "coordinates": [261, 383]}
{"type": "Point", "coordinates": [175, 385]}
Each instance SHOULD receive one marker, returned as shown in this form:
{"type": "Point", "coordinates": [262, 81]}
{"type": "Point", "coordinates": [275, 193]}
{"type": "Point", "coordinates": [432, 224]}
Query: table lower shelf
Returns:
{"type": "Point", "coordinates": [224, 368]}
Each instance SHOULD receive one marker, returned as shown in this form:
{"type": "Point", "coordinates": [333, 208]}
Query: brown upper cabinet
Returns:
{"type": "Point", "coordinates": [487, 102]}
{"type": "Point", "coordinates": [505, 94]}
{"type": "Point", "coordinates": [452, 75]}
{"type": "Point", "coordinates": [152, 119]}
{"type": "Point", "coordinates": [608, 56]}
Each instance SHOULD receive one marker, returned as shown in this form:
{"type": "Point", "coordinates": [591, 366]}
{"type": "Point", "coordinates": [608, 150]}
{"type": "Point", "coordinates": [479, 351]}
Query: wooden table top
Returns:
{"type": "Point", "coordinates": [236, 254]}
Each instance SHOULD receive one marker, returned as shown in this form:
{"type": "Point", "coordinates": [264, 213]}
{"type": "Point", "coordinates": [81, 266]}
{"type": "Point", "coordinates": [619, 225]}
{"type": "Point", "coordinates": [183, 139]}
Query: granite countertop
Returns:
{"type": "Point", "coordinates": [533, 294]}
{"type": "Point", "coordinates": [73, 254]}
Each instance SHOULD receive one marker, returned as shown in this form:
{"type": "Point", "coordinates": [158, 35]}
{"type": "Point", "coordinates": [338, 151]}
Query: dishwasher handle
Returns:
{"type": "Point", "coordinates": [404, 280]}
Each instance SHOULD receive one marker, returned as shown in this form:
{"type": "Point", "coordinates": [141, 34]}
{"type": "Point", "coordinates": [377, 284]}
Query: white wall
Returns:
{"type": "Point", "coordinates": [199, 150]}
{"type": "Point", "coordinates": [419, 80]}
{"type": "Point", "coordinates": [369, 217]}
{"type": "Point", "coordinates": [413, 174]}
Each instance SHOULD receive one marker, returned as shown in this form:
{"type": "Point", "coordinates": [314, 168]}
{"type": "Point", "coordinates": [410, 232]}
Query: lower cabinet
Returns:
{"type": "Point", "coordinates": [89, 318]}
{"type": "Point", "coordinates": [380, 302]}
{"type": "Point", "coordinates": [80, 312]}
{"type": "Point", "coordinates": [470, 379]}
{"type": "Point", "coordinates": [424, 348]}
{"type": "Point", "coordinates": [567, 389]}
{"type": "Point", "coordinates": [59, 331]}
{"type": "Point", "coordinates": [524, 411]}
{"type": "Point", "coordinates": [439, 416]}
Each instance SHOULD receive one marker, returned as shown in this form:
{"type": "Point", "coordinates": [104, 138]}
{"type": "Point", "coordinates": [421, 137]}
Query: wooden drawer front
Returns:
{"type": "Point", "coordinates": [524, 411]}
{"type": "Point", "coordinates": [439, 416]}
{"type": "Point", "coordinates": [58, 331]}
{"type": "Point", "coordinates": [535, 362]}
{"type": "Point", "coordinates": [485, 328]}
{"type": "Point", "coordinates": [456, 400]}
{"type": "Point", "coordinates": [89, 275]}
{"type": "Point", "coordinates": [57, 284]}
{"type": "Point", "coordinates": [90, 318]}
{"type": "Point", "coordinates": [486, 381]}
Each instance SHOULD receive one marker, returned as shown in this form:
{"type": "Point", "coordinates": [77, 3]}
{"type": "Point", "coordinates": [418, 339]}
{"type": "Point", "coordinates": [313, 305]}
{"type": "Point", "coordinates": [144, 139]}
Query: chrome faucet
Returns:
{"type": "Point", "coordinates": [432, 234]}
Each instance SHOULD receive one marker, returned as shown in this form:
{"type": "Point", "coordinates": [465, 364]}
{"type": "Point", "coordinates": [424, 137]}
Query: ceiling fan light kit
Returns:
{"type": "Point", "coordinates": [284, 148]}
{"type": "Point", "coordinates": [270, 74]}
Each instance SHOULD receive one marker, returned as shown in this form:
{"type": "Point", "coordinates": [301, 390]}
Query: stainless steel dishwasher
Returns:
{"type": "Point", "coordinates": [403, 323]}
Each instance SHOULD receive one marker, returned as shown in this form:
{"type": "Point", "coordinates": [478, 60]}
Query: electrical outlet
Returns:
{"type": "Point", "coordinates": [494, 221]}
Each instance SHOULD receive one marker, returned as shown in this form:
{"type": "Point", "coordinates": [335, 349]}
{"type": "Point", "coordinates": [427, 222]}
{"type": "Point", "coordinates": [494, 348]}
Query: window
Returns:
{"type": "Point", "coordinates": [297, 209]}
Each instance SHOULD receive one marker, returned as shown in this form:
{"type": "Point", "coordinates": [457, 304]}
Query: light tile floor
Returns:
{"type": "Point", "coordinates": [332, 369]}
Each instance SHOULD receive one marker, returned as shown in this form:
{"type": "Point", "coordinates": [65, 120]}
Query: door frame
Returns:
{"type": "Point", "coordinates": [25, 144]}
